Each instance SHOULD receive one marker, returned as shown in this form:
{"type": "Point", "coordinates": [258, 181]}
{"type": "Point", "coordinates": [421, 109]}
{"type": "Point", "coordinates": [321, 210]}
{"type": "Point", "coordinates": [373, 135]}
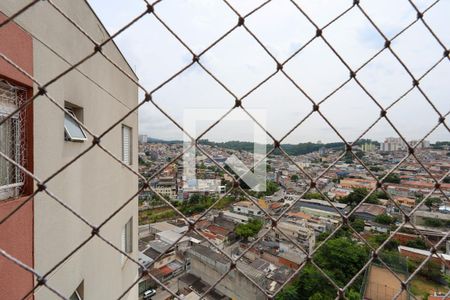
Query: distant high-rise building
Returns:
{"type": "Point", "coordinates": [322, 151]}
{"type": "Point", "coordinates": [142, 138]}
{"type": "Point", "coordinates": [393, 144]}
{"type": "Point", "coordinates": [368, 147]}
{"type": "Point", "coordinates": [421, 145]}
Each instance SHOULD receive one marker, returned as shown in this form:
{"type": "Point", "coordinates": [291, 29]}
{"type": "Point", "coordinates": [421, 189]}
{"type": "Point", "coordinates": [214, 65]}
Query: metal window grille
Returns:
{"type": "Point", "coordinates": [11, 140]}
{"type": "Point", "coordinates": [233, 264]}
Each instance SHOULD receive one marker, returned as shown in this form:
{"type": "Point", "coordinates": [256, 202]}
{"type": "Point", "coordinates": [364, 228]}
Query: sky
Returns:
{"type": "Point", "coordinates": [241, 63]}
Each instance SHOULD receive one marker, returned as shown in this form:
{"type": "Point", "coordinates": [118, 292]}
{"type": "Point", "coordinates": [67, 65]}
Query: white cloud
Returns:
{"type": "Point", "coordinates": [241, 63]}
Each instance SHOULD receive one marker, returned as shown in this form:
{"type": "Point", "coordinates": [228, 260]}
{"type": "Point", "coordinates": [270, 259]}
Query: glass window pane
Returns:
{"type": "Point", "coordinates": [75, 296]}
{"type": "Point", "coordinates": [72, 128]}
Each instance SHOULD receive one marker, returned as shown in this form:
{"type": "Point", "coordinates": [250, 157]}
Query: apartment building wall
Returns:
{"type": "Point", "coordinates": [234, 285]}
{"type": "Point", "coordinates": [249, 210]}
{"type": "Point", "coordinates": [94, 186]}
{"type": "Point", "coordinates": [16, 234]}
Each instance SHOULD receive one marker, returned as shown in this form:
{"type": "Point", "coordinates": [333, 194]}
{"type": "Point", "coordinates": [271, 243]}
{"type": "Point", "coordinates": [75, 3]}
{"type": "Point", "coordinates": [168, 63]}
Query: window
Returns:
{"type": "Point", "coordinates": [72, 130]}
{"type": "Point", "coordinates": [126, 145]}
{"type": "Point", "coordinates": [79, 292]}
{"type": "Point", "coordinates": [75, 296]}
{"type": "Point", "coordinates": [11, 140]}
{"type": "Point", "coordinates": [127, 237]}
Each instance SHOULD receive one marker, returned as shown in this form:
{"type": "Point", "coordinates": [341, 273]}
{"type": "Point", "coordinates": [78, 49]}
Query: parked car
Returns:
{"type": "Point", "coordinates": [148, 294]}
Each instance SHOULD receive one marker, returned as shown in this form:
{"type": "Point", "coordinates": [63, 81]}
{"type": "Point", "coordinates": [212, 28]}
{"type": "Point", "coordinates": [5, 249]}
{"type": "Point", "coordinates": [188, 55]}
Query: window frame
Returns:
{"type": "Point", "coordinates": [128, 162]}
{"type": "Point", "coordinates": [127, 239]}
{"type": "Point", "coordinates": [75, 294]}
{"type": "Point", "coordinates": [67, 135]}
{"type": "Point", "coordinates": [79, 292]}
{"type": "Point", "coordinates": [17, 135]}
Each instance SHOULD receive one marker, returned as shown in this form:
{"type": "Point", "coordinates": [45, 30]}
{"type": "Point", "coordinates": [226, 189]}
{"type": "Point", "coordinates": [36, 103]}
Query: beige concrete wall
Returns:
{"type": "Point", "coordinates": [234, 285]}
{"type": "Point", "coordinates": [95, 186]}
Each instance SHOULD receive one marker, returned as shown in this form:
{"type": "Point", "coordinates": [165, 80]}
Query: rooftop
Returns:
{"type": "Point", "coordinates": [371, 209]}
{"type": "Point", "coordinates": [208, 252]}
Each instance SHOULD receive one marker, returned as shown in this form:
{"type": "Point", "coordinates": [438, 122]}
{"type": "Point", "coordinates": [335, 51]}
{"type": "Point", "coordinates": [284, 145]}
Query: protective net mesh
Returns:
{"type": "Point", "coordinates": [11, 164]}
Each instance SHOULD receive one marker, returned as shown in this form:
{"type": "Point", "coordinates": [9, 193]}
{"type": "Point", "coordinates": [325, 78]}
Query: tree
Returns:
{"type": "Point", "coordinates": [341, 258]}
{"type": "Point", "coordinates": [433, 222]}
{"type": "Point", "coordinates": [384, 219]}
{"type": "Point", "coordinates": [358, 224]}
{"type": "Point", "coordinates": [417, 243]}
{"type": "Point", "coordinates": [288, 293]}
{"type": "Point", "coordinates": [318, 296]}
{"type": "Point", "coordinates": [357, 195]}
{"type": "Point", "coordinates": [322, 236]}
{"type": "Point", "coordinates": [432, 201]}
{"type": "Point", "coordinates": [377, 239]}
{"type": "Point", "coordinates": [313, 196]}
{"type": "Point", "coordinates": [311, 283]}
{"type": "Point", "coordinates": [375, 168]}
{"type": "Point", "coordinates": [249, 229]}
{"type": "Point", "coordinates": [294, 178]}
{"type": "Point", "coordinates": [194, 199]}
{"type": "Point", "coordinates": [447, 178]}
{"type": "Point", "coordinates": [392, 178]}
{"type": "Point", "coordinates": [419, 198]}
{"type": "Point", "coordinates": [381, 194]}
{"type": "Point", "coordinates": [271, 188]}
{"type": "Point", "coordinates": [353, 295]}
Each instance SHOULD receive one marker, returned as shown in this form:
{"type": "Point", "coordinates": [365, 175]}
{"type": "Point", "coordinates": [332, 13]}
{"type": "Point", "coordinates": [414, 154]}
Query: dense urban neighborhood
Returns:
{"type": "Point", "coordinates": [328, 207]}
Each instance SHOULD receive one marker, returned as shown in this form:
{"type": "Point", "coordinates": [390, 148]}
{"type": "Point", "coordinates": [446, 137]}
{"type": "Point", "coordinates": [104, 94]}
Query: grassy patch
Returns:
{"type": "Point", "coordinates": [156, 215]}
{"type": "Point", "coordinates": [420, 286]}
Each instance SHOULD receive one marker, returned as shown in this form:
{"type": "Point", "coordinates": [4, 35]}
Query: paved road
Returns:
{"type": "Point", "coordinates": [162, 294]}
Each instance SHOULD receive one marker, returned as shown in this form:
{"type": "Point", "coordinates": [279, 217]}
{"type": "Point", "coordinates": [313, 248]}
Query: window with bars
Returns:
{"type": "Point", "coordinates": [11, 141]}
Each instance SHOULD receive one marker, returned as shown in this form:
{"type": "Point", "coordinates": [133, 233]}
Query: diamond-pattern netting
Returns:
{"type": "Point", "coordinates": [282, 64]}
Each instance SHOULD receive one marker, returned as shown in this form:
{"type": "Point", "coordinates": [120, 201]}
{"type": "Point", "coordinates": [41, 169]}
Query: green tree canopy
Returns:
{"type": "Point", "coordinates": [357, 195]}
{"type": "Point", "coordinates": [341, 258]}
{"type": "Point", "coordinates": [271, 188]}
{"type": "Point", "coordinates": [384, 219]}
{"type": "Point", "coordinates": [358, 224]}
{"type": "Point", "coordinates": [432, 201]}
{"type": "Point", "coordinates": [392, 178]}
{"type": "Point", "coordinates": [312, 195]}
{"type": "Point", "coordinates": [249, 229]}
{"type": "Point", "coordinates": [417, 243]}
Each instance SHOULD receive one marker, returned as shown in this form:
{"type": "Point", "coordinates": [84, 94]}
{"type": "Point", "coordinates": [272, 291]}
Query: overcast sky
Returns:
{"type": "Point", "coordinates": [240, 63]}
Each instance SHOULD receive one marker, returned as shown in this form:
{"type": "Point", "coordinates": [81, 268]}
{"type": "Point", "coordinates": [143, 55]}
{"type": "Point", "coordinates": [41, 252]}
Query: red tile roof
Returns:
{"type": "Point", "coordinates": [165, 270]}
